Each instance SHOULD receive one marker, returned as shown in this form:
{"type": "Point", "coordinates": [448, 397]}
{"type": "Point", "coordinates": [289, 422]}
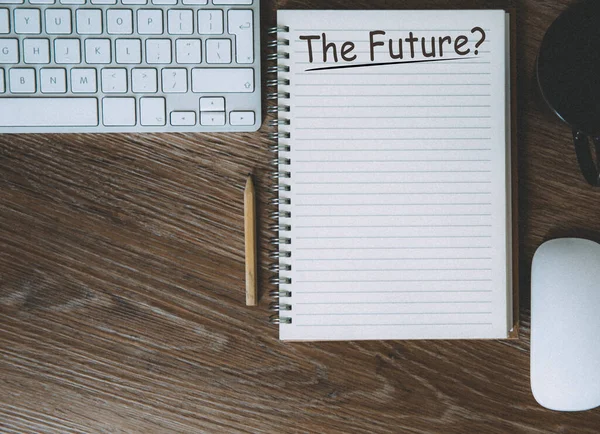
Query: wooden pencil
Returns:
{"type": "Point", "coordinates": [250, 238]}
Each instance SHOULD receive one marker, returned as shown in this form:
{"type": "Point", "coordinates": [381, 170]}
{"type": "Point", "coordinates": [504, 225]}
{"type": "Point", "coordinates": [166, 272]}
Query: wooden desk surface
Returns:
{"type": "Point", "coordinates": [122, 291]}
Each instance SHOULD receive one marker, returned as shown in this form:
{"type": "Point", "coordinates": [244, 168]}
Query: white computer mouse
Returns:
{"type": "Point", "coordinates": [565, 324]}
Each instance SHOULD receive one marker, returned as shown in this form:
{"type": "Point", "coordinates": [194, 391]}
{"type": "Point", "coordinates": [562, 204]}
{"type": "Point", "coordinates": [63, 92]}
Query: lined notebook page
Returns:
{"type": "Point", "coordinates": [398, 180]}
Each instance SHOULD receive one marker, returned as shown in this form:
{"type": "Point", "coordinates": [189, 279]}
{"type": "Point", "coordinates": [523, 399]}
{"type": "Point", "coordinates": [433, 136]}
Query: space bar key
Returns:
{"type": "Point", "coordinates": [48, 112]}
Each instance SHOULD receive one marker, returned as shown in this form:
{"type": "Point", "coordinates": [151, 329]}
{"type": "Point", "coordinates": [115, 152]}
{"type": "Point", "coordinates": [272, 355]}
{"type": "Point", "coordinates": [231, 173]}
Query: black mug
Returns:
{"type": "Point", "coordinates": [568, 74]}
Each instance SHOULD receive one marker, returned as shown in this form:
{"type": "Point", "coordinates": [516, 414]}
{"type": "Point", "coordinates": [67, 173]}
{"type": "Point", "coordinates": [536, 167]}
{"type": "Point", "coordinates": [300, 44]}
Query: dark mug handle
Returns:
{"type": "Point", "coordinates": [584, 156]}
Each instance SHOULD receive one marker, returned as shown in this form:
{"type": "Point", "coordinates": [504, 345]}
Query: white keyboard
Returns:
{"type": "Point", "coordinates": [129, 65]}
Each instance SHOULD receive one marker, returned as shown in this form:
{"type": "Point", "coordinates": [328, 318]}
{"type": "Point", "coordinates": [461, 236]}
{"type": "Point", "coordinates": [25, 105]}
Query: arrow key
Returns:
{"type": "Point", "coordinates": [241, 118]}
{"type": "Point", "coordinates": [212, 118]}
{"type": "Point", "coordinates": [214, 104]}
{"type": "Point", "coordinates": [183, 118]}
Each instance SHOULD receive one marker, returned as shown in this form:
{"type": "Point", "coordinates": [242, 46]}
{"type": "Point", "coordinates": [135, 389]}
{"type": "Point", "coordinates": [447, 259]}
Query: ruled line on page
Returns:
{"type": "Point", "coordinates": [408, 258]}
{"type": "Point", "coordinates": [394, 215]}
{"type": "Point", "coordinates": [392, 128]}
{"type": "Point", "coordinates": [387, 259]}
{"type": "Point", "coordinates": [385, 303]}
{"type": "Point", "coordinates": [428, 258]}
{"type": "Point", "coordinates": [310, 205]}
{"type": "Point", "coordinates": [379, 139]}
{"type": "Point", "coordinates": [388, 30]}
{"type": "Point", "coordinates": [396, 292]}
{"type": "Point", "coordinates": [400, 193]}
{"type": "Point", "coordinates": [445, 160]}
{"type": "Point", "coordinates": [395, 150]}
{"type": "Point", "coordinates": [387, 85]}
{"type": "Point", "coordinates": [333, 270]}
{"type": "Point", "coordinates": [391, 313]}
{"type": "Point", "coordinates": [389, 226]}
{"type": "Point", "coordinates": [396, 106]}
{"type": "Point", "coordinates": [359, 74]}
{"type": "Point", "coordinates": [387, 183]}
{"type": "Point", "coordinates": [395, 325]}
{"type": "Point", "coordinates": [354, 237]}
{"type": "Point", "coordinates": [395, 95]}
{"type": "Point", "coordinates": [396, 248]}
{"type": "Point", "coordinates": [392, 281]}
{"type": "Point", "coordinates": [389, 171]}
{"type": "Point", "coordinates": [391, 117]}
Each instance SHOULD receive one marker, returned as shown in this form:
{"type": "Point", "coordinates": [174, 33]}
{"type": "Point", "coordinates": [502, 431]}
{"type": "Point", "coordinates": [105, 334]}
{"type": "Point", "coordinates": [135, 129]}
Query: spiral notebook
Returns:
{"type": "Point", "coordinates": [395, 211]}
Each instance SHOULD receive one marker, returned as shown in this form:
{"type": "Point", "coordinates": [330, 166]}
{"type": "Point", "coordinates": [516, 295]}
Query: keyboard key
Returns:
{"type": "Point", "coordinates": [144, 80]}
{"type": "Point", "coordinates": [97, 51]}
{"type": "Point", "coordinates": [218, 51]}
{"type": "Point", "coordinates": [83, 80]}
{"type": "Point", "coordinates": [209, 104]}
{"type": "Point", "coordinates": [4, 24]}
{"type": "Point", "coordinates": [89, 21]}
{"type": "Point", "coordinates": [195, 2]}
{"type": "Point", "coordinates": [164, 2]}
{"type": "Point", "coordinates": [48, 112]}
{"type": "Point", "coordinates": [119, 21]}
{"type": "Point", "coordinates": [223, 80]}
{"type": "Point", "coordinates": [158, 51]}
{"type": "Point", "coordinates": [150, 22]}
{"type": "Point", "coordinates": [210, 22]}
{"type": "Point", "coordinates": [118, 112]}
{"type": "Point", "coordinates": [241, 24]}
{"type": "Point", "coordinates": [152, 111]}
{"type": "Point", "coordinates": [58, 21]}
{"type": "Point", "coordinates": [232, 2]}
{"type": "Point", "coordinates": [72, 2]}
{"type": "Point", "coordinates": [2, 87]}
{"type": "Point", "coordinates": [174, 80]}
{"type": "Point", "coordinates": [9, 51]}
{"type": "Point", "coordinates": [212, 118]}
{"type": "Point", "coordinates": [114, 80]}
{"type": "Point", "coordinates": [53, 80]}
{"type": "Point", "coordinates": [134, 2]}
{"type": "Point", "coordinates": [36, 50]}
{"type": "Point", "coordinates": [242, 118]}
{"type": "Point", "coordinates": [188, 50]}
{"type": "Point", "coordinates": [104, 2]}
{"type": "Point", "coordinates": [183, 118]}
{"type": "Point", "coordinates": [27, 21]}
{"type": "Point", "coordinates": [8, 2]}
{"type": "Point", "coordinates": [129, 51]}
{"type": "Point", "coordinates": [22, 80]}
{"type": "Point", "coordinates": [67, 51]}
{"type": "Point", "coordinates": [180, 21]}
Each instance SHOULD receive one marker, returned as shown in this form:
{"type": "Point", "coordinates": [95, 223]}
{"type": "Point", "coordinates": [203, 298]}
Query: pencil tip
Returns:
{"type": "Point", "coordinates": [249, 182]}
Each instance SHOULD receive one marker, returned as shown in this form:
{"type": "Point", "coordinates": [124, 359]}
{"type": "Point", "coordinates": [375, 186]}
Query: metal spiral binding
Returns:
{"type": "Point", "coordinates": [278, 81]}
{"type": "Point", "coordinates": [281, 296]}
{"type": "Point", "coordinates": [278, 122]}
{"type": "Point", "coordinates": [279, 148]}
{"type": "Point", "coordinates": [278, 95]}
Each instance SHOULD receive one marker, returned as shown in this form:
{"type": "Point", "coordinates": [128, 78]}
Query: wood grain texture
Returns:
{"type": "Point", "coordinates": [122, 290]}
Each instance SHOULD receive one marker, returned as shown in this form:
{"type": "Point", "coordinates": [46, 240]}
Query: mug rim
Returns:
{"type": "Point", "coordinates": [573, 123]}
